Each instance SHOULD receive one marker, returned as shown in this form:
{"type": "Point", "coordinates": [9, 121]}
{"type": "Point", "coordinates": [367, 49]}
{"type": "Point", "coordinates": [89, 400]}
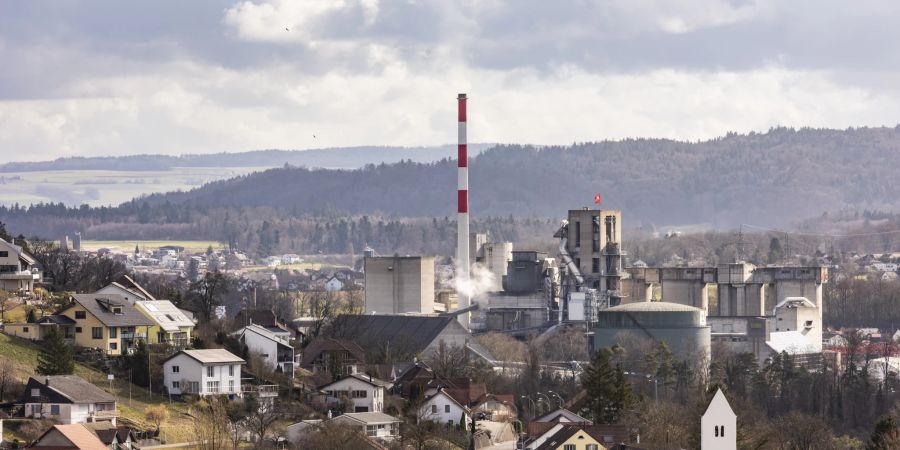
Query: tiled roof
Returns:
{"type": "Point", "coordinates": [73, 388]}
{"type": "Point", "coordinates": [80, 437]}
{"type": "Point", "coordinates": [101, 306]}
{"type": "Point", "coordinates": [211, 356]}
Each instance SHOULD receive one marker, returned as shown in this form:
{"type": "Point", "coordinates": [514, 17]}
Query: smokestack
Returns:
{"type": "Point", "coordinates": [462, 220]}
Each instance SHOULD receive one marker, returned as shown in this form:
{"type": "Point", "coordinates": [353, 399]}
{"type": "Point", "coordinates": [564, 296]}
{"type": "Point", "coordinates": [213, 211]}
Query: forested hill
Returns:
{"type": "Point", "coordinates": [768, 178]}
{"type": "Point", "coordinates": [335, 158]}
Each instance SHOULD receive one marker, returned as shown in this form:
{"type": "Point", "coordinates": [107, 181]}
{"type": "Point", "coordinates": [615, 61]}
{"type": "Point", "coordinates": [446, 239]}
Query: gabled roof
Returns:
{"type": "Point", "coordinates": [555, 416]}
{"type": "Point", "coordinates": [80, 437]}
{"type": "Point", "coordinates": [165, 314]}
{"type": "Point", "coordinates": [369, 417]}
{"type": "Point", "coordinates": [104, 430]}
{"type": "Point", "coordinates": [69, 387]}
{"type": "Point", "coordinates": [372, 332]}
{"type": "Point", "coordinates": [210, 356]}
{"type": "Point", "coordinates": [261, 331]}
{"type": "Point", "coordinates": [361, 377]}
{"type": "Point", "coordinates": [320, 345]}
{"type": "Point", "coordinates": [437, 392]}
{"type": "Point", "coordinates": [56, 319]}
{"type": "Point", "coordinates": [603, 434]}
{"type": "Point", "coordinates": [128, 283]}
{"type": "Point", "coordinates": [792, 342]}
{"type": "Point", "coordinates": [25, 257]}
{"type": "Point", "coordinates": [101, 306]}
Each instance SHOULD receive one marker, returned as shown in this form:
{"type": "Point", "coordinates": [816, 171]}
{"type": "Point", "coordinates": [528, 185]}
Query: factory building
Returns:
{"type": "Point", "coordinates": [491, 256]}
{"type": "Point", "coordinates": [683, 328]}
{"type": "Point", "coordinates": [399, 284]}
{"type": "Point", "coordinates": [760, 310]}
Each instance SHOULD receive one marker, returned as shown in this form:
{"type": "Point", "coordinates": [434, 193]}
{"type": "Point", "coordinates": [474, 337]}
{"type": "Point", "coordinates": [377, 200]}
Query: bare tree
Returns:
{"type": "Point", "coordinates": [211, 424]}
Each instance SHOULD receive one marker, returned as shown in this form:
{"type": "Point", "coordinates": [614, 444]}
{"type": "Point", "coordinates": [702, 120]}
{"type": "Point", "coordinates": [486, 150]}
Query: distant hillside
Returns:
{"type": "Point", "coordinates": [768, 178]}
{"type": "Point", "coordinates": [333, 158]}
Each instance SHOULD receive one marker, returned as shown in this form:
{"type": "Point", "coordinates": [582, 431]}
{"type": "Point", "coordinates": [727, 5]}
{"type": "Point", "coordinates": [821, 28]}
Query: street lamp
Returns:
{"type": "Point", "coordinates": [561, 401]}
{"type": "Point", "coordinates": [533, 406]}
{"type": "Point", "coordinates": [549, 403]}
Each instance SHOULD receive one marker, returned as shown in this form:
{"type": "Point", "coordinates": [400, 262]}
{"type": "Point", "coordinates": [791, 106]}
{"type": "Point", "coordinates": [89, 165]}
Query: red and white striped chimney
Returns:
{"type": "Point", "coordinates": [462, 220]}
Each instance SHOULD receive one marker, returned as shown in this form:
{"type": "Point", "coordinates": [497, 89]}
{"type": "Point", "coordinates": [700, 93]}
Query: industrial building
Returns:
{"type": "Point", "coordinates": [683, 328]}
{"type": "Point", "coordinates": [399, 284]}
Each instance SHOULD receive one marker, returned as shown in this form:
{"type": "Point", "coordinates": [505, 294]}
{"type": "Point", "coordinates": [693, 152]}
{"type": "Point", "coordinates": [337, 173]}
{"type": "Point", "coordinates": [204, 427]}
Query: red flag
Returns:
{"type": "Point", "coordinates": [597, 199]}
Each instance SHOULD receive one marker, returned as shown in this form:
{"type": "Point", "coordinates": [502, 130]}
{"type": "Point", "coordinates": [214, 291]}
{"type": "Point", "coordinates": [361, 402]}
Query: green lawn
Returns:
{"type": "Point", "coordinates": [22, 354]}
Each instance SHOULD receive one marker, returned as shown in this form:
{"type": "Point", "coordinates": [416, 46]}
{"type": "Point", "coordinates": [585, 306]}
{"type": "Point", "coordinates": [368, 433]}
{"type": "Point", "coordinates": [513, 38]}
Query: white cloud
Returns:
{"type": "Point", "coordinates": [357, 72]}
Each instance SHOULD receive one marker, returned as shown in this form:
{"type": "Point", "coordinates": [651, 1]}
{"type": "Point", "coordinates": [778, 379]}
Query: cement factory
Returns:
{"type": "Point", "coordinates": [590, 286]}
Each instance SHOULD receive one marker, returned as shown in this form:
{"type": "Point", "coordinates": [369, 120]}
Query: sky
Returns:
{"type": "Point", "coordinates": [98, 78]}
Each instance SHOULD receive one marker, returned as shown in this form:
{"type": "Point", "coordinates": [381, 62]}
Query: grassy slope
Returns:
{"type": "Point", "coordinates": [22, 354]}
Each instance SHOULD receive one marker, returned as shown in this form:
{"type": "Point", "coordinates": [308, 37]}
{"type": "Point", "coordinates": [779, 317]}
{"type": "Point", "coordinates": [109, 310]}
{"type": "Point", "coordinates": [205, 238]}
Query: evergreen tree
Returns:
{"type": "Point", "coordinates": [31, 317]}
{"type": "Point", "coordinates": [56, 356]}
{"type": "Point", "coordinates": [609, 392]}
{"type": "Point", "coordinates": [885, 434]}
{"type": "Point", "coordinates": [139, 363]}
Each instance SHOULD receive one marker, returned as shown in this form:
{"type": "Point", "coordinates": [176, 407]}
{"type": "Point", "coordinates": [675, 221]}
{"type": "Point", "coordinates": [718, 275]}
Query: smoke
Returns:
{"type": "Point", "coordinates": [480, 281]}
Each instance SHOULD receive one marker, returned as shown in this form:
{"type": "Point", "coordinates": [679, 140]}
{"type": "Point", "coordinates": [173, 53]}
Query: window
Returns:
{"type": "Point", "coordinates": [35, 392]}
{"type": "Point", "coordinates": [569, 447]}
{"type": "Point", "coordinates": [210, 371]}
{"type": "Point", "coordinates": [212, 387]}
{"type": "Point", "coordinates": [359, 394]}
{"type": "Point", "coordinates": [4, 254]}
{"type": "Point", "coordinates": [176, 385]}
{"type": "Point", "coordinates": [78, 329]}
{"type": "Point", "coordinates": [193, 386]}
{"type": "Point", "coordinates": [80, 314]}
{"type": "Point", "coordinates": [578, 234]}
{"type": "Point", "coordinates": [370, 430]}
{"type": "Point", "coordinates": [593, 446]}
{"type": "Point", "coordinates": [230, 371]}
{"type": "Point", "coordinates": [113, 332]}
{"type": "Point", "coordinates": [117, 310]}
{"type": "Point", "coordinates": [446, 408]}
{"type": "Point", "coordinates": [176, 369]}
{"type": "Point", "coordinates": [24, 329]}
{"type": "Point", "coordinates": [595, 265]}
{"type": "Point", "coordinates": [230, 385]}
{"type": "Point", "coordinates": [113, 346]}
{"type": "Point", "coordinates": [54, 410]}
{"type": "Point", "coordinates": [97, 333]}
{"type": "Point", "coordinates": [434, 409]}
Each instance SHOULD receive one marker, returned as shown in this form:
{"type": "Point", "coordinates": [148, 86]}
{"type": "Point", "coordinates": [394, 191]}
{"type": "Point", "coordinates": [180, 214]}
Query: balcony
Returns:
{"type": "Point", "coordinates": [17, 275]}
{"type": "Point", "coordinates": [131, 335]}
{"type": "Point", "coordinates": [261, 391]}
{"type": "Point", "coordinates": [105, 414]}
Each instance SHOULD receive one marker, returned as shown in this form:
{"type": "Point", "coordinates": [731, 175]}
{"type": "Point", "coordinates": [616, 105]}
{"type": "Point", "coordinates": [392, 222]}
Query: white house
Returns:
{"type": "Point", "coordinates": [364, 391]}
{"type": "Point", "coordinates": [127, 288]}
{"type": "Point", "coordinates": [718, 426]}
{"type": "Point", "coordinates": [203, 372]}
{"type": "Point", "coordinates": [67, 399]}
{"type": "Point", "coordinates": [275, 349]}
{"type": "Point", "coordinates": [18, 270]}
{"type": "Point", "coordinates": [333, 284]}
{"type": "Point", "coordinates": [440, 407]}
{"type": "Point", "coordinates": [376, 425]}
{"type": "Point", "coordinates": [291, 258]}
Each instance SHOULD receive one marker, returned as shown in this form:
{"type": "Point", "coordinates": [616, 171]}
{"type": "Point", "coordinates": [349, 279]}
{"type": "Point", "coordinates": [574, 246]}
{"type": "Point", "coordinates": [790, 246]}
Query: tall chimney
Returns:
{"type": "Point", "coordinates": [462, 220]}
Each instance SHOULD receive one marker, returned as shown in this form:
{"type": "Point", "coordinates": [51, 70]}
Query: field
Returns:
{"type": "Point", "coordinates": [21, 355]}
{"type": "Point", "coordinates": [105, 187]}
{"type": "Point", "coordinates": [190, 246]}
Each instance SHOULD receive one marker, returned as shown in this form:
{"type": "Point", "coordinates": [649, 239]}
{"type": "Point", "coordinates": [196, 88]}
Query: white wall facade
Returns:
{"type": "Point", "coordinates": [373, 401]}
{"type": "Point", "coordinates": [192, 377]}
{"type": "Point", "coordinates": [442, 409]}
{"type": "Point", "coordinates": [718, 426]}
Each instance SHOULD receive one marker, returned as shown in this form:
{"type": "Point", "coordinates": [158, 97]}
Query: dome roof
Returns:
{"type": "Point", "coordinates": [654, 307]}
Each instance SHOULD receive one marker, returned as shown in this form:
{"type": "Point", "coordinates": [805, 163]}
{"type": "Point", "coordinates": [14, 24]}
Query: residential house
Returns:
{"type": "Point", "coordinates": [410, 336]}
{"type": "Point", "coordinates": [563, 415]}
{"type": "Point", "coordinates": [365, 392]}
{"type": "Point", "coordinates": [498, 408]}
{"type": "Point", "coordinates": [718, 426]}
{"type": "Point", "coordinates": [579, 437]}
{"type": "Point", "coordinates": [264, 318]}
{"type": "Point", "coordinates": [107, 322]}
{"type": "Point", "coordinates": [38, 330]}
{"type": "Point", "coordinates": [333, 284]}
{"type": "Point", "coordinates": [440, 407]}
{"type": "Point", "coordinates": [298, 433]}
{"type": "Point", "coordinates": [376, 425]}
{"type": "Point", "coordinates": [115, 438]}
{"type": "Point", "coordinates": [203, 372]}
{"type": "Point", "coordinates": [128, 289]}
{"type": "Point", "coordinates": [170, 327]}
{"type": "Point", "coordinates": [275, 349]}
{"type": "Point", "coordinates": [291, 258]}
{"type": "Point", "coordinates": [325, 355]}
{"type": "Point", "coordinates": [18, 269]}
{"type": "Point", "coordinates": [66, 437]}
{"type": "Point", "coordinates": [67, 399]}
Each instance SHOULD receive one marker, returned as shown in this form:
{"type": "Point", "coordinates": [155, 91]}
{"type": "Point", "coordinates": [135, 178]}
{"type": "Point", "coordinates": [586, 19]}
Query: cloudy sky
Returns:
{"type": "Point", "coordinates": [92, 78]}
